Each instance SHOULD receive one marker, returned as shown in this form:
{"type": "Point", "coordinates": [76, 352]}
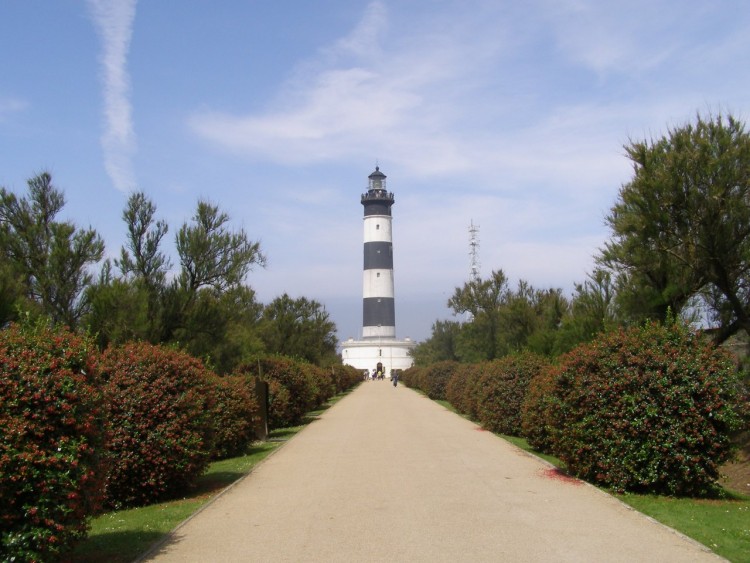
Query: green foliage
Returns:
{"type": "Point", "coordinates": [234, 414]}
{"type": "Point", "coordinates": [540, 410]}
{"type": "Point", "coordinates": [441, 345]}
{"type": "Point", "coordinates": [119, 311]}
{"type": "Point", "coordinates": [299, 328]}
{"type": "Point", "coordinates": [503, 321]}
{"type": "Point", "coordinates": [50, 258]}
{"type": "Point", "coordinates": [649, 409]}
{"type": "Point", "coordinates": [161, 407]}
{"type": "Point", "coordinates": [211, 255]}
{"type": "Point", "coordinates": [501, 390]}
{"type": "Point", "coordinates": [482, 300]}
{"type": "Point", "coordinates": [51, 421]}
{"type": "Point", "coordinates": [681, 226]}
{"type": "Point", "coordinates": [141, 258]}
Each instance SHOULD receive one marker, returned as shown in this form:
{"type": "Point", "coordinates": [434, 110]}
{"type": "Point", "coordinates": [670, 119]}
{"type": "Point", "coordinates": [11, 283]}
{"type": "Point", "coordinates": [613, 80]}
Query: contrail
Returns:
{"type": "Point", "coordinates": [113, 20]}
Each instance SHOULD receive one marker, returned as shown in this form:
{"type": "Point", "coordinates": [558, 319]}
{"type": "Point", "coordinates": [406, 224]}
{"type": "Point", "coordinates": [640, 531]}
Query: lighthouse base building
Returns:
{"type": "Point", "coordinates": [378, 347]}
{"type": "Point", "coordinates": [366, 354]}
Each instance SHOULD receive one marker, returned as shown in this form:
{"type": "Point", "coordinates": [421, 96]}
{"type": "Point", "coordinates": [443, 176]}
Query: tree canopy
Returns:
{"type": "Point", "coordinates": [681, 226]}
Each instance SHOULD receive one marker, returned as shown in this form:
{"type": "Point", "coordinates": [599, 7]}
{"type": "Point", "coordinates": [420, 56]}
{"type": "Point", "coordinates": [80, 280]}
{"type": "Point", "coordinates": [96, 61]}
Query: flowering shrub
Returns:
{"type": "Point", "coordinates": [235, 413]}
{"type": "Point", "coordinates": [502, 388]}
{"type": "Point", "coordinates": [325, 383]}
{"type": "Point", "coordinates": [461, 388]}
{"type": "Point", "coordinates": [346, 377]}
{"type": "Point", "coordinates": [436, 377]}
{"type": "Point", "coordinates": [539, 410]}
{"type": "Point", "coordinates": [649, 409]}
{"type": "Point", "coordinates": [413, 377]}
{"type": "Point", "coordinates": [51, 432]}
{"type": "Point", "coordinates": [292, 389]}
{"type": "Point", "coordinates": [160, 404]}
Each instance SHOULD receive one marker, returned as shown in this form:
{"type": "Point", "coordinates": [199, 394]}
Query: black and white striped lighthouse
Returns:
{"type": "Point", "coordinates": [378, 345]}
{"type": "Point", "coordinates": [378, 309]}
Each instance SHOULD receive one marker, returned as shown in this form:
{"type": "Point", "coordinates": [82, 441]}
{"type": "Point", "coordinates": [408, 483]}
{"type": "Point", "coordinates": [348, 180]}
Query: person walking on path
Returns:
{"type": "Point", "coordinates": [462, 494]}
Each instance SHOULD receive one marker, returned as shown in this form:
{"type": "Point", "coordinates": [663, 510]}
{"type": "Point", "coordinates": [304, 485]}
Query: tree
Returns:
{"type": "Point", "coordinates": [681, 226]}
{"type": "Point", "coordinates": [481, 299]}
{"type": "Point", "coordinates": [213, 260]}
{"type": "Point", "coordinates": [141, 256]}
{"type": "Point", "coordinates": [299, 328]}
{"type": "Point", "coordinates": [211, 255]}
{"type": "Point", "coordinates": [51, 258]}
{"type": "Point", "coordinates": [441, 345]}
{"type": "Point", "coordinates": [592, 311]}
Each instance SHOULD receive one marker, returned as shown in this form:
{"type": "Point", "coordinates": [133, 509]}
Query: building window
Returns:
{"type": "Point", "coordinates": [377, 227]}
{"type": "Point", "coordinates": [377, 275]}
{"type": "Point", "coordinates": [380, 352]}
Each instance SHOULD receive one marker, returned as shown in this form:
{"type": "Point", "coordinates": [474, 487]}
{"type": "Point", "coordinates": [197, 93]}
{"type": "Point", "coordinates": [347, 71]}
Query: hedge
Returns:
{"type": "Point", "coordinates": [648, 410]}
{"type": "Point", "coordinates": [160, 403]}
{"type": "Point", "coordinates": [52, 431]}
{"type": "Point", "coordinates": [501, 390]}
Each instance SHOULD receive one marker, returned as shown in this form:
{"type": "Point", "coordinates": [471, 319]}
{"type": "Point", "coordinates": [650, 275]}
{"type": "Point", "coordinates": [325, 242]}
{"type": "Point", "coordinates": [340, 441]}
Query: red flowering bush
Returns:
{"type": "Point", "coordinates": [346, 377]}
{"type": "Point", "coordinates": [461, 388]}
{"type": "Point", "coordinates": [501, 390]}
{"type": "Point", "coordinates": [160, 404]}
{"type": "Point", "coordinates": [325, 383]}
{"type": "Point", "coordinates": [413, 377]}
{"type": "Point", "coordinates": [51, 433]}
{"type": "Point", "coordinates": [292, 389]}
{"type": "Point", "coordinates": [235, 413]}
{"type": "Point", "coordinates": [539, 410]}
{"type": "Point", "coordinates": [435, 377]}
{"type": "Point", "coordinates": [649, 409]}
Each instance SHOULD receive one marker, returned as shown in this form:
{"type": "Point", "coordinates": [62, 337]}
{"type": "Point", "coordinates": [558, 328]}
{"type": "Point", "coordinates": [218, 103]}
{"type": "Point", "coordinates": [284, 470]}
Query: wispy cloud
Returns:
{"type": "Point", "coordinates": [114, 23]}
{"type": "Point", "coordinates": [9, 106]}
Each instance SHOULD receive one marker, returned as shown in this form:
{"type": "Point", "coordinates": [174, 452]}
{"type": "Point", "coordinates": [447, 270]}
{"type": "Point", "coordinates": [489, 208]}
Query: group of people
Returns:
{"type": "Point", "coordinates": [378, 372]}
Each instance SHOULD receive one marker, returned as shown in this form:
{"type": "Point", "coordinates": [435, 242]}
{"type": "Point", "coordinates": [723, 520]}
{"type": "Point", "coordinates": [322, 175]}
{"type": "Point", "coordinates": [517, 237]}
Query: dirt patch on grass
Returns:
{"type": "Point", "coordinates": [737, 473]}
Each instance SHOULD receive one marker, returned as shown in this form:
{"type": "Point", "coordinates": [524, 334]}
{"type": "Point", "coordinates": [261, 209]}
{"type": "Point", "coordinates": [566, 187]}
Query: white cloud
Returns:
{"type": "Point", "coordinates": [114, 23]}
{"type": "Point", "coordinates": [11, 106]}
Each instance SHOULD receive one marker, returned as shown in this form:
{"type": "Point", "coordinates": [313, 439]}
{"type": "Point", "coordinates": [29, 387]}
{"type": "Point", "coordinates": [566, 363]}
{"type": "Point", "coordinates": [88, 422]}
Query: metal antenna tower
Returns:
{"type": "Point", "coordinates": [474, 251]}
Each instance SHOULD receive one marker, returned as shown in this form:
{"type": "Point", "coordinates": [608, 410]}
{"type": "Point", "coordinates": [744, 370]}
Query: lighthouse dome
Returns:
{"type": "Point", "coordinates": [377, 180]}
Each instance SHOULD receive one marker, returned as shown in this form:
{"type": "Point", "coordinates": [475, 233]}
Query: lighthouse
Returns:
{"type": "Point", "coordinates": [378, 308]}
{"type": "Point", "coordinates": [378, 344]}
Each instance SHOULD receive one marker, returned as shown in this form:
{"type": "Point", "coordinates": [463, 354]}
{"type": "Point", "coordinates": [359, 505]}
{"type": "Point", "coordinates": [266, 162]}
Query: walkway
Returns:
{"type": "Point", "coordinates": [388, 475]}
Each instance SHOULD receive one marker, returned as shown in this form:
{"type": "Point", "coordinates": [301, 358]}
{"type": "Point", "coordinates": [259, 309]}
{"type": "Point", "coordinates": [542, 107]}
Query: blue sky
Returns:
{"type": "Point", "coordinates": [509, 114]}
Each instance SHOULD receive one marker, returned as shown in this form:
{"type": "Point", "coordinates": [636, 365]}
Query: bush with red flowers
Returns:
{"type": "Point", "coordinates": [160, 404]}
{"type": "Point", "coordinates": [461, 388]}
{"type": "Point", "coordinates": [292, 389]}
{"type": "Point", "coordinates": [649, 410]}
{"type": "Point", "coordinates": [51, 435]}
{"type": "Point", "coordinates": [235, 414]}
{"type": "Point", "coordinates": [501, 390]}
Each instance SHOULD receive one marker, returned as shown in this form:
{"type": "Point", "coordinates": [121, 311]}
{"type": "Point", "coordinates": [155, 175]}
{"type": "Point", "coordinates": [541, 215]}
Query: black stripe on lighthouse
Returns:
{"type": "Point", "coordinates": [378, 255]}
{"type": "Point", "coordinates": [378, 311]}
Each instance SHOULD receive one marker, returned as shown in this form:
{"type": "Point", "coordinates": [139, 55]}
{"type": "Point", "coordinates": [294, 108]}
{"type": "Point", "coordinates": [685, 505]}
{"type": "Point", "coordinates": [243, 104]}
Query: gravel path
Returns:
{"type": "Point", "coordinates": [388, 475]}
